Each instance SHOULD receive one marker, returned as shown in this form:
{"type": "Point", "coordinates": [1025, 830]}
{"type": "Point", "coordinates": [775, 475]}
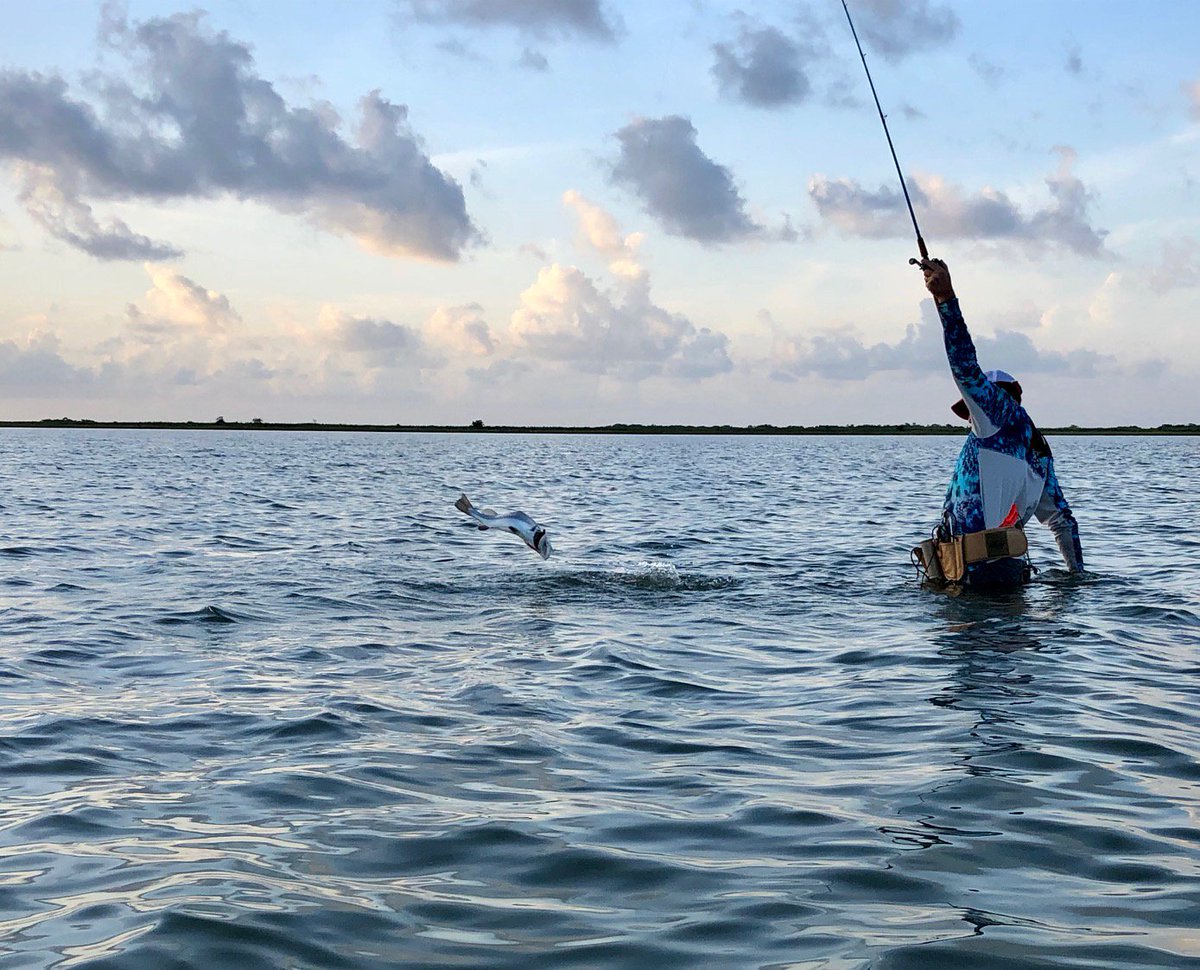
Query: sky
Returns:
{"type": "Point", "coordinates": [594, 211]}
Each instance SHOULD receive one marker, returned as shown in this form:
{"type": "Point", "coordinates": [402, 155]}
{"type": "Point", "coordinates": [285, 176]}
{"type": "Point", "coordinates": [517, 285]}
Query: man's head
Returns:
{"type": "Point", "coordinates": [1003, 380]}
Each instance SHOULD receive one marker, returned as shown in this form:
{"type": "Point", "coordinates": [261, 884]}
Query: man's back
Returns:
{"type": "Point", "coordinates": [1005, 471]}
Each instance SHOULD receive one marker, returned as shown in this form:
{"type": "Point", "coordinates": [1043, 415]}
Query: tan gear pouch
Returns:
{"type": "Point", "coordinates": [950, 558]}
{"type": "Point", "coordinates": [926, 554]}
{"type": "Point", "coordinates": [994, 544]}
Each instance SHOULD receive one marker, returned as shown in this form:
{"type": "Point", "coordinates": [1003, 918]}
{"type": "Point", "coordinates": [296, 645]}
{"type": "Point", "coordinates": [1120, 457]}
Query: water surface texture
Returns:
{"type": "Point", "coordinates": [267, 700]}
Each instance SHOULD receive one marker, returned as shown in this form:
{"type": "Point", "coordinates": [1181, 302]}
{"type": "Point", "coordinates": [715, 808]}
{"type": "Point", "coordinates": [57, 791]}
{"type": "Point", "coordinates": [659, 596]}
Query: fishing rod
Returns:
{"type": "Point", "coordinates": [883, 118]}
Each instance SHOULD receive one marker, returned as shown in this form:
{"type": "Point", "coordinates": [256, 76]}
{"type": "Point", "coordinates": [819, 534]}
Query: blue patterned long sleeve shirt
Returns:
{"type": "Point", "coordinates": [1000, 479]}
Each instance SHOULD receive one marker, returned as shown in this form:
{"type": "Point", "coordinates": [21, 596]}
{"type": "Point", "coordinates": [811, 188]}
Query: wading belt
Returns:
{"type": "Point", "coordinates": [949, 560]}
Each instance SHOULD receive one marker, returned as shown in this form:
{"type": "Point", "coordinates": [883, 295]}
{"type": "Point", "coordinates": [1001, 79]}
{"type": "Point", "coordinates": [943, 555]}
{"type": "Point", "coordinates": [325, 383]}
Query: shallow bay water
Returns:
{"type": "Point", "coordinates": [268, 700]}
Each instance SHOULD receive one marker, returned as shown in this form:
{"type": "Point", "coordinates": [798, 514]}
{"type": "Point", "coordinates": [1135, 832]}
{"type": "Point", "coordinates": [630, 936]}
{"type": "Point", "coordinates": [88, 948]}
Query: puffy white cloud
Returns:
{"type": "Point", "coordinates": [183, 338]}
{"type": "Point", "coordinates": [566, 316]}
{"type": "Point", "coordinates": [461, 330]}
{"type": "Point", "coordinates": [947, 212]}
{"type": "Point", "coordinates": [601, 232]}
{"type": "Point", "coordinates": [193, 119]}
{"type": "Point", "coordinates": [178, 334]}
{"type": "Point", "coordinates": [177, 304]}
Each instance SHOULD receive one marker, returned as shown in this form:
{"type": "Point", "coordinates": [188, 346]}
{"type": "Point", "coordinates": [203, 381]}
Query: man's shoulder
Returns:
{"type": "Point", "coordinates": [1014, 434]}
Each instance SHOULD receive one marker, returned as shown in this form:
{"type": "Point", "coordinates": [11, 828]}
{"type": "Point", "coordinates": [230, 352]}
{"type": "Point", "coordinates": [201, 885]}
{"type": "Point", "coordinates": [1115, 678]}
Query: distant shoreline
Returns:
{"type": "Point", "coordinates": [611, 429]}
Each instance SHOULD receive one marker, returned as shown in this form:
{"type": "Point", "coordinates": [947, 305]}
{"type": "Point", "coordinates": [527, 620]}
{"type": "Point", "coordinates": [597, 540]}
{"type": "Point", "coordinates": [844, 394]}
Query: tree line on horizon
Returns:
{"type": "Point", "coordinates": [478, 426]}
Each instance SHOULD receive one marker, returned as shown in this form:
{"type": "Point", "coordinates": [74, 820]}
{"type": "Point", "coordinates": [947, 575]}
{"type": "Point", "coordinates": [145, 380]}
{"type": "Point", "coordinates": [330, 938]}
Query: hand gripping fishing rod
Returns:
{"type": "Point", "coordinates": [883, 118]}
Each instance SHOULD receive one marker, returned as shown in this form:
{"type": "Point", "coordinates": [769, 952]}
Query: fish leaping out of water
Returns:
{"type": "Point", "coordinates": [518, 523]}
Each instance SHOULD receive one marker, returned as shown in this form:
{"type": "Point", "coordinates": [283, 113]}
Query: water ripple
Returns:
{"type": "Point", "coordinates": [267, 702]}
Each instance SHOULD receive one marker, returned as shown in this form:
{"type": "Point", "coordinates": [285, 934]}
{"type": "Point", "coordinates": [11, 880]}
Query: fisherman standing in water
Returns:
{"type": "Point", "coordinates": [1005, 471]}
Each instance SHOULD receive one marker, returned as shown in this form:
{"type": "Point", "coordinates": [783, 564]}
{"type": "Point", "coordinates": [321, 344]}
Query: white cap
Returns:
{"type": "Point", "coordinates": [996, 377]}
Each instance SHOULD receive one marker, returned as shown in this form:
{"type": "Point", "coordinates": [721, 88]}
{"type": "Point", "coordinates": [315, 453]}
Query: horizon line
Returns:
{"type": "Point", "coordinates": [478, 427]}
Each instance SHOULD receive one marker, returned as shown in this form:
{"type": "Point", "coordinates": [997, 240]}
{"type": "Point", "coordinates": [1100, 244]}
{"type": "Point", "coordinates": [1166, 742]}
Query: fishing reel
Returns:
{"type": "Point", "coordinates": [913, 261]}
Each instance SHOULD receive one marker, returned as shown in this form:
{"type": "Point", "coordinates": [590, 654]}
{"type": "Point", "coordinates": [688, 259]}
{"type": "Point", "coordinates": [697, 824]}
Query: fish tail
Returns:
{"type": "Point", "coordinates": [464, 504]}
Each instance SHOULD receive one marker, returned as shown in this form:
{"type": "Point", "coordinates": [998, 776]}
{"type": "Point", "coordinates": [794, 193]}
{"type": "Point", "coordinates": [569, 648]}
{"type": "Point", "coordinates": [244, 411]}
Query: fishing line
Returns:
{"type": "Point", "coordinates": [883, 118]}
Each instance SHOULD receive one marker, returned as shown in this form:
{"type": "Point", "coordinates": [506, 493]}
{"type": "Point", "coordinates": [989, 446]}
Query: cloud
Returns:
{"type": "Point", "coordinates": [897, 28]}
{"type": "Point", "coordinates": [566, 316]}
{"type": "Point", "coordinates": [601, 233]}
{"type": "Point", "coordinates": [64, 216]}
{"type": "Point", "coordinates": [378, 343]}
{"type": "Point", "coordinates": [762, 69]}
{"type": "Point", "coordinates": [183, 345]}
{"type": "Point", "coordinates": [704, 354]}
{"type": "Point", "coordinates": [35, 367]}
{"type": "Point", "coordinates": [461, 330]}
{"type": "Point", "coordinates": [989, 71]}
{"type": "Point", "coordinates": [1180, 265]}
{"type": "Point", "coordinates": [194, 120]}
{"type": "Point", "coordinates": [533, 60]}
{"type": "Point", "coordinates": [842, 355]}
{"type": "Point", "coordinates": [182, 334]}
{"type": "Point", "coordinates": [505, 371]}
{"type": "Point", "coordinates": [175, 304]}
{"type": "Point", "coordinates": [690, 194]}
{"type": "Point", "coordinates": [178, 334]}
{"type": "Point", "coordinates": [456, 48]}
{"type": "Point", "coordinates": [947, 212]}
{"type": "Point", "coordinates": [768, 67]}
{"type": "Point", "coordinates": [544, 19]}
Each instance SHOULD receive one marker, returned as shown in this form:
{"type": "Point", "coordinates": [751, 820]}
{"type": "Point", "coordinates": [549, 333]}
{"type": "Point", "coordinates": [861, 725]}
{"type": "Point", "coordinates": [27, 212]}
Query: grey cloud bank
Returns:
{"type": "Point", "coordinates": [38, 369]}
{"type": "Point", "coordinates": [897, 28]}
{"type": "Point", "coordinates": [771, 67]}
{"type": "Point", "coordinates": [945, 211]}
{"type": "Point", "coordinates": [689, 193]}
{"type": "Point", "coordinates": [64, 216]}
{"type": "Point", "coordinates": [544, 19]}
{"type": "Point", "coordinates": [843, 356]}
{"type": "Point", "coordinates": [196, 121]}
{"type": "Point", "coordinates": [762, 69]}
{"type": "Point", "coordinates": [381, 340]}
